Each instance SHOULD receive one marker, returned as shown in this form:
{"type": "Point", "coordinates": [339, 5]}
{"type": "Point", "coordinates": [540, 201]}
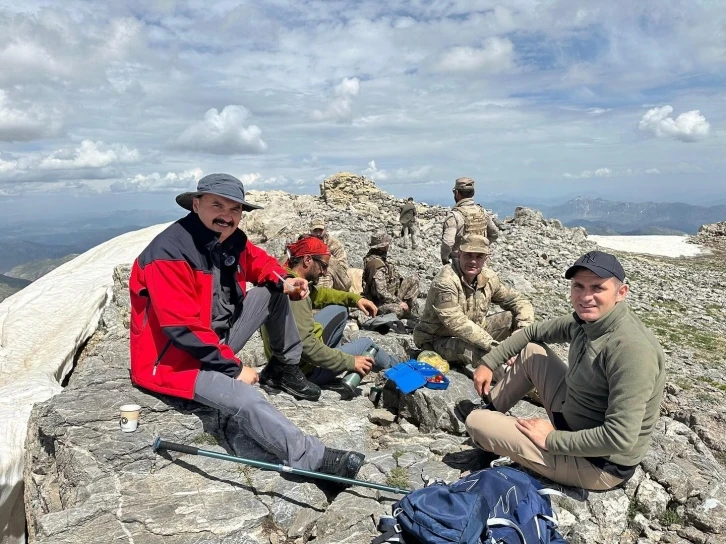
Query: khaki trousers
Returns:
{"type": "Point", "coordinates": [493, 431]}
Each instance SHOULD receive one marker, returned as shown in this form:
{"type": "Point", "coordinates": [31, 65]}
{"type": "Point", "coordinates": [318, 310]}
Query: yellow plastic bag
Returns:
{"type": "Point", "coordinates": [434, 359]}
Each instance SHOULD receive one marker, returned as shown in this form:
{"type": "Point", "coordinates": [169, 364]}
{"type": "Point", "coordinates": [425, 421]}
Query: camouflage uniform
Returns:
{"type": "Point", "coordinates": [455, 323]}
{"type": "Point", "coordinates": [408, 223]}
{"type": "Point", "coordinates": [466, 217]}
{"type": "Point", "coordinates": [382, 283]}
{"type": "Point", "coordinates": [336, 276]}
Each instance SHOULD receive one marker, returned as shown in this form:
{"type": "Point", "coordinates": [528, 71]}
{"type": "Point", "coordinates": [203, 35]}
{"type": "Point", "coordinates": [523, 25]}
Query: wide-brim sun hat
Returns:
{"type": "Point", "coordinates": [224, 185]}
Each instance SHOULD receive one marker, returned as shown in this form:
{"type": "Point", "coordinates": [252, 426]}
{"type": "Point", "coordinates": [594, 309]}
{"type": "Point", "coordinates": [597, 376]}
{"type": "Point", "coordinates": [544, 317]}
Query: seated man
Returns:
{"type": "Point", "coordinates": [454, 322]}
{"type": "Point", "coordinates": [382, 284]}
{"type": "Point", "coordinates": [323, 356]}
{"type": "Point", "coordinates": [336, 276]}
{"type": "Point", "coordinates": [602, 407]}
{"type": "Point", "coordinates": [191, 312]}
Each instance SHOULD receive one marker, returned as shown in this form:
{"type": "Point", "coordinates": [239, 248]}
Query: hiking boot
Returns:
{"type": "Point", "coordinates": [289, 378]}
{"type": "Point", "coordinates": [341, 463]}
{"type": "Point", "coordinates": [463, 408]}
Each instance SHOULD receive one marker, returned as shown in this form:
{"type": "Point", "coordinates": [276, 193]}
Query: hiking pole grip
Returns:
{"type": "Point", "coordinates": [160, 444]}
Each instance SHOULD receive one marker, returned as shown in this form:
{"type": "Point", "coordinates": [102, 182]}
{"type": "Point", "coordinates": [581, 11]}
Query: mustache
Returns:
{"type": "Point", "coordinates": [223, 223]}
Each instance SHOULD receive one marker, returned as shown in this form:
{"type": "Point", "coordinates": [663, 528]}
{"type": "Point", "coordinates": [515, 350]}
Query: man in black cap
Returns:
{"type": "Point", "coordinates": [602, 406]}
{"type": "Point", "coordinates": [191, 313]}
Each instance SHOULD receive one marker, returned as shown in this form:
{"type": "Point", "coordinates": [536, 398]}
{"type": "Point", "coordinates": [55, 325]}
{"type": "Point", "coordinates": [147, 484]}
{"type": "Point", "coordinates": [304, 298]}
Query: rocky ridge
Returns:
{"type": "Point", "coordinates": [713, 235]}
{"type": "Point", "coordinates": [88, 482]}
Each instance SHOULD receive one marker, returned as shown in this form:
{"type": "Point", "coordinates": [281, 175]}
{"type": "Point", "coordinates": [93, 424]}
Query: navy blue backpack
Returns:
{"type": "Point", "coordinates": [490, 506]}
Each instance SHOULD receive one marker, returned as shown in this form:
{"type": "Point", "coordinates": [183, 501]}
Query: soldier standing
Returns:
{"type": "Point", "coordinates": [382, 283]}
{"type": "Point", "coordinates": [454, 322]}
{"type": "Point", "coordinates": [408, 222]}
{"type": "Point", "coordinates": [336, 277]}
{"type": "Point", "coordinates": [466, 217]}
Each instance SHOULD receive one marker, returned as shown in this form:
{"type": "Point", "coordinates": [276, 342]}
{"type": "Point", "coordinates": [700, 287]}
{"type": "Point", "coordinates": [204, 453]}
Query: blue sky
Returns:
{"type": "Point", "coordinates": [103, 104]}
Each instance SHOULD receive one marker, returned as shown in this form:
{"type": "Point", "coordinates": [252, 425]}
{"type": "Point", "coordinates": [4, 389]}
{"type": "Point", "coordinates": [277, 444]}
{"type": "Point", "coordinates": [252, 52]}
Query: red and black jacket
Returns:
{"type": "Point", "coordinates": [171, 289]}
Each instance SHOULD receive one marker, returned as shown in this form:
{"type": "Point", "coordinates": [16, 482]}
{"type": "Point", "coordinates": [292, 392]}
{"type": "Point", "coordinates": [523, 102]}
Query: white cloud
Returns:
{"type": "Point", "coordinates": [372, 172]}
{"type": "Point", "coordinates": [600, 173]}
{"type": "Point", "coordinates": [274, 182]}
{"type": "Point", "coordinates": [414, 175]}
{"type": "Point", "coordinates": [224, 133]}
{"type": "Point", "coordinates": [88, 155]}
{"type": "Point", "coordinates": [341, 108]}
{"type": "Point", "coordinates": [23, 124]}
{"type": "Point", "coordinates": [7, 166]}
{"type": "Point", "coordinates": [652, 171]}
{"type": "Point", "coordinates": [155, 182]}
{"type": "Point", "coordinates": [496, 55]}
{"type": "Point", "coordinates": [687, 127]}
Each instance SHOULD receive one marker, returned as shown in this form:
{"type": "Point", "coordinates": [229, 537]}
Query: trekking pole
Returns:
{"type": "Point", "coordinates": [160, 444]}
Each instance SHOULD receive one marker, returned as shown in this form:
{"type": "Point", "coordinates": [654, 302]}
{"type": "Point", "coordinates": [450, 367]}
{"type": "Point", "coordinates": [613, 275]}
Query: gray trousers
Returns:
{"type": "Point", "coordinates": [333, 319]}
{"type": "Point", "coordinates": [260, 419]}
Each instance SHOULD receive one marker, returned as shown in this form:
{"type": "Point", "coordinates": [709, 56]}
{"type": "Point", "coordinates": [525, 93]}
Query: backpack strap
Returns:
{"type": "Point", "coordinates": [502, 522]}
{"type": "Point", "coordinates": [548, 492]}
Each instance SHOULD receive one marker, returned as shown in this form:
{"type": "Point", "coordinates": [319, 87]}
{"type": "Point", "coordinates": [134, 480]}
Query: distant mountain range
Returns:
{"type": "Point", "coordinates": [9, 286]}
{"type": "Point", "coordinates": [608, 217]}
{"type": "Point", "coordinates": [600, 216]}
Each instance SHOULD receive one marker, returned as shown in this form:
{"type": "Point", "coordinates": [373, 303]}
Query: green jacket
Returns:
{"type": "Point", "coordinates": [615, 383]}
{"type": "Point", "coordinates": [315, 352]}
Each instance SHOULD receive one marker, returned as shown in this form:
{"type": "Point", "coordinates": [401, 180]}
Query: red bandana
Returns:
{"type": "Point", "coordinates": [310, 245]}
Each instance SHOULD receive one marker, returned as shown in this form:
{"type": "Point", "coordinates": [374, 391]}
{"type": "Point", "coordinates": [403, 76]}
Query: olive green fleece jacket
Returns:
{"type": "Point", "coordinates": [315, 352]}
{"type": "Point", "coordinates": [615, 383]}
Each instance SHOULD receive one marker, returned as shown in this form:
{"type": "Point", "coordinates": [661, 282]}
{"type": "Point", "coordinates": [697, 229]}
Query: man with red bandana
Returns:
{"type": "Point", "coordinates": [191, 313]}
{"type": "Point", "coordinates": [324, 354]}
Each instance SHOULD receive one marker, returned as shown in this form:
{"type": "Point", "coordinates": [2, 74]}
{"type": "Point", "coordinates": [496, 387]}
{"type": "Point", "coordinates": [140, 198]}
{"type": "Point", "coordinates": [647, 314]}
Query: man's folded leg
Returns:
{"type": "Point", "coordinates": [496, 432]}
{"type": "Point", "coordinates": [263, 305]}
{"type": "Point", "coordinates": [270, 428]}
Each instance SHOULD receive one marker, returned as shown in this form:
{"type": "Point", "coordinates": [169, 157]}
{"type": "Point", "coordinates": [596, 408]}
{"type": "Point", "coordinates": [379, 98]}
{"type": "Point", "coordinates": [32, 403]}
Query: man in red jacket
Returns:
{"type": "Point", "coordinates": [191, 313]}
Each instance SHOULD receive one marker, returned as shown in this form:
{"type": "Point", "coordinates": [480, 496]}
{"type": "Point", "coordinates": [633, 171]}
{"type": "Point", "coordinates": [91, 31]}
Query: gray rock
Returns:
{"type": "Point", "coordinates": [88, 482]}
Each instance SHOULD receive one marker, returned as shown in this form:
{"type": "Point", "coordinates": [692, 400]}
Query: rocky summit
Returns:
{"type": "Point", "coordinates": [86, 481]}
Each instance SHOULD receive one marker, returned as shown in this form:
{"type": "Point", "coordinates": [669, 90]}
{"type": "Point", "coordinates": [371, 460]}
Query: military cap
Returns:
{"type": "Point", "coordinates": [464, 183]}
{"type": "Point", "coordinates": [317, 223]}
{"type": "Point", "coordinates": [474, 243]}
{"type": "Point", "coordinates": [379, 240]}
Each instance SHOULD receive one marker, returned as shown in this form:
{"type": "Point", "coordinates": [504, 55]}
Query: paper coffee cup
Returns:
{"type": "Point", "coordinates": [129, 419]}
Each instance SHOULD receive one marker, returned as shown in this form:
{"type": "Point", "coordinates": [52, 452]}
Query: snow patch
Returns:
{"type": "Point", "coordinates": [667, 246]}
{"type": "Point", "coordinates": [41, 328]}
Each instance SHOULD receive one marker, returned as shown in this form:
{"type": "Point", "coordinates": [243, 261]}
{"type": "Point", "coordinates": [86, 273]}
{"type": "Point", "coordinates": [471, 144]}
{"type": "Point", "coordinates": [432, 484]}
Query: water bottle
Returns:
{"type": "Point", "coordinates": [352, 379]}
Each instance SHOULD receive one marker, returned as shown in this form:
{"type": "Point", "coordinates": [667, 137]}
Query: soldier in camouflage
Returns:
{"type": "Point", "coordinates": [392, 293]}
{"type": "Point", "coordinates": [336, 277]}
{"type": "Point", "coordinates": [454, 322]}
{"type": "Point", "coordinates": [466, 217]}
{"type": "Point", "coordinates": [408, 222]}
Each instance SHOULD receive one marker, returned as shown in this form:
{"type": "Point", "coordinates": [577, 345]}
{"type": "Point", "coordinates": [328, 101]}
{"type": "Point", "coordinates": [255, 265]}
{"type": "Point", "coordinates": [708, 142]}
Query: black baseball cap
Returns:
{"type": "Point", "coordinates": [600, 263]}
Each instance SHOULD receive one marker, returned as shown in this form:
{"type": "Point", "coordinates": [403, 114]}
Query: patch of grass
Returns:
{"type": "Point", "coordinates": [707, 397]}
{"type": "Point", "coordinates": [712, 382]}
{"type": "Point", "coordinates": [398, 477]}
{"type": "Point", "coordinates": [670, 517]}
{"type": "Point", "coordinates": [707, 345]}
{"type": "Point", "coordinates": [246, 472]}
{"type": "Point", "coordinates": [714, 310]}
{"type": "Point", "coordinates": [205, 439]}
{"type": "Point", "coordinates": [635, 508]}
{"type": "Point", "coordinates": [684, 383]}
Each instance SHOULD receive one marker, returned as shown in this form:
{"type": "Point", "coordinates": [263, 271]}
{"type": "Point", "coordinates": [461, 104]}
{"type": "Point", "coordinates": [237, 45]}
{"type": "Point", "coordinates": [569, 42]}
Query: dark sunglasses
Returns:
{"type": "Point", "coordinates": [322, 264]}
